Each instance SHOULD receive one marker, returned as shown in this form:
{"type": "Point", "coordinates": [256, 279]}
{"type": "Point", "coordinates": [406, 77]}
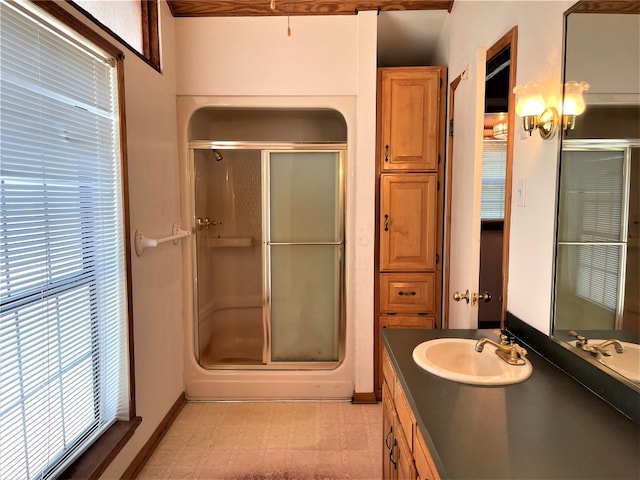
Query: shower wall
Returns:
{"type": "Point", "coordinates": [229, 257]}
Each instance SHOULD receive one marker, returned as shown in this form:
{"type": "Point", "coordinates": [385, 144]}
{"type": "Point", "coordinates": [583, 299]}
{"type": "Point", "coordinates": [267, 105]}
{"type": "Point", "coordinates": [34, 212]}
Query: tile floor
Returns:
{"type": "Point", "coordinates": [270, 441]}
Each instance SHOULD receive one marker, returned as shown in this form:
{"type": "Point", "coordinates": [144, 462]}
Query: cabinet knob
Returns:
{"type": "Point", "coordinates": [408, 294]}
{"type": "Point", "coordinates": [386, 223]}
{"type": "Point", "coordinates": [386, 153]}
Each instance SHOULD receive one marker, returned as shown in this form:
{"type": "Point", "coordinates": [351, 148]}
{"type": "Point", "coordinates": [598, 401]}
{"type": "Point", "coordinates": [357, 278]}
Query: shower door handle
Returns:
{"type": "Point", "coordinates": [206, 223]}
{"type": "Point", "coordinates": [203, 223]}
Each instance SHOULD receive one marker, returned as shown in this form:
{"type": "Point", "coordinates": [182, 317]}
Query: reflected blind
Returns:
{"type": "Point", "coordinates": [494, 170]}
{"type": "Point", "coordinates": [590, 220]}
{"type": "Point", "coordinates": [63, 346]}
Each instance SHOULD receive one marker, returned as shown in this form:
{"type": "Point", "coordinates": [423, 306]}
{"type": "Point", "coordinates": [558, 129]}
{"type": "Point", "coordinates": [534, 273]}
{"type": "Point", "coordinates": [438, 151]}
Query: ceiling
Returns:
{"type": "Point", "coordinates": [408, 30]}
{"type": "Point", "coordinates": [251, 8]}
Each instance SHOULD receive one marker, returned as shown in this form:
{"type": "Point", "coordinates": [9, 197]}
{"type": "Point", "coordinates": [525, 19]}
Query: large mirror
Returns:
{"type": "Point", "coordinates": [596, 287]}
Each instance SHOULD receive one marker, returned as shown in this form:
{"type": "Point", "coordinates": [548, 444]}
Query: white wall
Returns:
{"type": "Point", "coordinates": [254, 56]}
{"type": "Point", "coordinates": [327, 62]}
{"type": "Point", "coordinates": [154, 203]}
{"type": "Point", "coordinates": [540, 27]}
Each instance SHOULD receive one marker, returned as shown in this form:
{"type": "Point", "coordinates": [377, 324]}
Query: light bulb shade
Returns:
{"type": "Point", "coordinates": [500, 130]}
{"type": "Point", "coordinates": [573, 102]}
{"type": "Point", "coordinates": [529, 99]}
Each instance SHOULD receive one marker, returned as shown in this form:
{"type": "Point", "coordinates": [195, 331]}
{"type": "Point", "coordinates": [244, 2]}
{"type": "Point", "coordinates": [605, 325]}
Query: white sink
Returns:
{"type": "Point", "coordinates": [456, 359]}
{"type": "Point", "coordinates": [626, 364]}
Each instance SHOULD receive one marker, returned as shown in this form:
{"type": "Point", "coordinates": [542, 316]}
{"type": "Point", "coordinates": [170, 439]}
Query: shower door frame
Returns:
{"type": "Point", "coordinates": [266, 148]}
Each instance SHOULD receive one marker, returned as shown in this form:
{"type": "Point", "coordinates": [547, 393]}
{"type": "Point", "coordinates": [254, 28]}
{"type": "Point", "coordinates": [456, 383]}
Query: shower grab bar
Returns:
{"type": "Point", "coordinates": [304, 243]}
{"type": "Point", "coordinates": [142, 242]}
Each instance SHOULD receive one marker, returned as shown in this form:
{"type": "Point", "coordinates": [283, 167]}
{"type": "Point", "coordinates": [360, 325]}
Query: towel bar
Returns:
{"type": "Point", "coordinates": [142, 242]}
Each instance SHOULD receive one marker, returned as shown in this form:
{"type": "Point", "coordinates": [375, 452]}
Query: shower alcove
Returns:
{"type": "Point", "coordinates": [267, 213]}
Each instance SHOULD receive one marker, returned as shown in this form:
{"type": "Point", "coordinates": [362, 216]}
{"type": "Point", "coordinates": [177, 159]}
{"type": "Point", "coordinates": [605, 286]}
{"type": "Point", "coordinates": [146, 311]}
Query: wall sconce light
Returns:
{"type": "Point", "coordinates": [573, 103]}
{"type": "Point", "coordinates": [531, 106]}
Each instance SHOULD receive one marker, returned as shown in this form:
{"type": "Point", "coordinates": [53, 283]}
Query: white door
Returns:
{"type": "Point", "coordinates": [465, 169]}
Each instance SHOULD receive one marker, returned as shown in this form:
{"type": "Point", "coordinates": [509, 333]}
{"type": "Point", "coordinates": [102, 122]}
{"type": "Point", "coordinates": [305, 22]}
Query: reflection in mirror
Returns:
{"type": "Point", "coordinates": [597, 289]}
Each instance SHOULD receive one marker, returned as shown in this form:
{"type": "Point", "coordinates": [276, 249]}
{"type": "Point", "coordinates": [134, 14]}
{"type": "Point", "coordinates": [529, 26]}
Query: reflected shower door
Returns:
{"type": "Point", "coordinates": [228, 211]}
{"type": "Point", "coordinates": [305, 248]}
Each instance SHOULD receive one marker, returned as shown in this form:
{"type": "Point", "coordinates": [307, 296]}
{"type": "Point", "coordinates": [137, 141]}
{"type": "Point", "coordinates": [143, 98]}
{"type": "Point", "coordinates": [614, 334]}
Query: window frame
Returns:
{"type": "Point", "coordinates": [150, 31]}
{"type": "Point", "coordinates": [97, 457]}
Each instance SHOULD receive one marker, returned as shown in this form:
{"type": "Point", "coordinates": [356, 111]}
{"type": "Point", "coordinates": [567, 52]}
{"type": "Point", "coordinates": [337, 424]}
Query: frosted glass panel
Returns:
{"type": "Point", "coordinates": [305, 302]}
{"type": "Point", "coordinates": [591, 196]}
{"type": "Point", "coordinates": [304, 197]}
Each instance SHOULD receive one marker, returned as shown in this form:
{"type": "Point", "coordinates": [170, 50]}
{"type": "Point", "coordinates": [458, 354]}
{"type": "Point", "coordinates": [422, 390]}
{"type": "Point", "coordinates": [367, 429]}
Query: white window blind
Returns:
{"type": "Point", "coordinates": [590, 220]}
{"type": "Point", "coordinates": [494, 170]}
{"type": "Point", "coordinates": [63, 344]}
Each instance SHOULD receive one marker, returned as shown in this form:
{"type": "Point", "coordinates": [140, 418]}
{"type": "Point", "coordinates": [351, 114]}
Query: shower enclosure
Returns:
{"type": "Point", "coordinates": [268, 254]}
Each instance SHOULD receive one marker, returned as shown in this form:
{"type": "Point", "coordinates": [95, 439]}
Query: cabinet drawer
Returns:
{"type": "Point", "coordinates": [407, 321]}
{"type": "Point", "coordinates": [407, 293]}
{"type": "Point", "coordinates": [424, 462]}
{"type": "Point", "coordinates": [407, 420]}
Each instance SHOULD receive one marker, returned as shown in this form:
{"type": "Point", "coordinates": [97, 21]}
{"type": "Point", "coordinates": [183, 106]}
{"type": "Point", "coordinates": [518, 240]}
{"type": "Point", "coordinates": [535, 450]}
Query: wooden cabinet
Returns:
{"type": "Point", "coordinates": [404, 452]}
{"type": "Point", "coordinates": [408, 116]}
{"type": "Point", "coordinates": [408, 211]}
{"type": "Point", "coordinates": [410, 149]}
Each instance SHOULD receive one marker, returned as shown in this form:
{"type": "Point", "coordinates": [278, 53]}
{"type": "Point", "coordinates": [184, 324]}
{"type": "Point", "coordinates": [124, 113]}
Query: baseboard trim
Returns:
{"type": "Point", "coordinates": [147, 450]}
{"type": "Point", "coordinates": [360, 398]}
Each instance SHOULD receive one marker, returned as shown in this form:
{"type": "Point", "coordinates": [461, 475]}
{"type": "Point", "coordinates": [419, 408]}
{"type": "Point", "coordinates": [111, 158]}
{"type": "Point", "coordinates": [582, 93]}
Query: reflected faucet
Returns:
{"type": "Point", "coordinates": [512, 353]}
{"type": "Point", "coordinates": [612, 341]}
{"type": "Point", "coordinates": [596, 350]}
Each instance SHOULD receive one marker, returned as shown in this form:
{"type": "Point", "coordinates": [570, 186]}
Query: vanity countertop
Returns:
{"type": "Point", "coordinates": [548, 427]}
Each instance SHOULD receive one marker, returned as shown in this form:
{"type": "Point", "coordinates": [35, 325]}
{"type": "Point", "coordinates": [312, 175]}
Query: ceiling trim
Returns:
{"type": "Point", "coordinates": [253, 8]}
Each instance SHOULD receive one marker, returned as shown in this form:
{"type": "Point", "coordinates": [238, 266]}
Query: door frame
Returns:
{"type": "Point", "coordinates": [509, 39]}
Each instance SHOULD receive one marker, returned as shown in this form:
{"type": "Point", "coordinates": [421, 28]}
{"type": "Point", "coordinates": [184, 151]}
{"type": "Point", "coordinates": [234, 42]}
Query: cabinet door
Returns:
{"type": "Point", "coordinates": [409, 119]}
{"type": "Point", "coordinates": [408, 206]}
{"type": "Point", "coordinates": [402, 456]}
{"type": "Point", "coordinates": [424, 462]}
{"type": "Point", "coordinates": [387, 432]}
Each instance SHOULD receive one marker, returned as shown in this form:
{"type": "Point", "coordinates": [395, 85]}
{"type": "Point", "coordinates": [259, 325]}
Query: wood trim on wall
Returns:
{"type": "Point", "coordinates": [147, 450]}
{"type": "Point", "coordinates": [447, 214]}
{"type": "Point", "coordinates": [363, 398]}
{"type": "Point", "coordinates": [231, 8]}
{"type": "Point", "coordinates": [508, 40]}
{"type": "Point", "coordinates": [605, 6]}
{"type": "Point", "coordinates": [150, 31]}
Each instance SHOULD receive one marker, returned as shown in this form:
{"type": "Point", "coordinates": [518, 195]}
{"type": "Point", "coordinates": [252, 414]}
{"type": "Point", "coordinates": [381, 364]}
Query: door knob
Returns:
{"type": "Point", "coordinates": [457, 296]}
{"type": "Point", "coordinates": [482, 297]}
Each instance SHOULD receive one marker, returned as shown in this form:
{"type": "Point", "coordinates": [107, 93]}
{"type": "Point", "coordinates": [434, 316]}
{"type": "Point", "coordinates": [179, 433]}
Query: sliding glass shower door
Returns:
{"type": "Point", "coordinates": [286, 310]}
{"type": "Point", "coordinates": [305, 250]}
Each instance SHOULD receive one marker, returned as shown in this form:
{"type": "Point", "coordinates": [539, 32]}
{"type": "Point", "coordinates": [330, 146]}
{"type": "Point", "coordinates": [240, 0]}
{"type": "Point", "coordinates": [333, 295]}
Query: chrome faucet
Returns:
{"type": "Point", "coordinates": [512, 353]}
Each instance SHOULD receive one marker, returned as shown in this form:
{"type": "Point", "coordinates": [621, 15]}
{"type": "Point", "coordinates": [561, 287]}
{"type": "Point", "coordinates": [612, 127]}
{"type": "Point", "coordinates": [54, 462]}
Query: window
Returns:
{"type": "Point", "coordinates": [494, 168]}
{"type": "Point", "coordinates": [63, 275]}
{"type": "Point", "coordinates": [133, 23]}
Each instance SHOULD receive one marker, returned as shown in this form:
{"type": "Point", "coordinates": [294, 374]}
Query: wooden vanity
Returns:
{"type": "Point", "coordinates": [405, 453]}
{"type": "Point", "coordinates": [549, 426]}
